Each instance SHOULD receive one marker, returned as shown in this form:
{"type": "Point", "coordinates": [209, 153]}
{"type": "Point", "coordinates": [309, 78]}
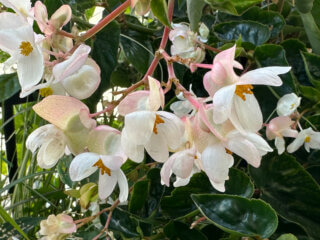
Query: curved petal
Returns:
{"type": "Point", "coordinates": [136, 101]}
{"type": "Point", "coordinates": [139, 126]}
{"type": "Point", "coordinates": [61, 16]}
{"type": "Point", "coordinates": [123, 186]}
{"type": "Point", "coordinates": [181, 181]}
{"type": "Point", "coordinates": [112, 162]}
{"type": "Point", "coordinates": [50, 152]}
{"type": "Point", "coordinates": [258, 141]}
{"type": "Point", "coordinates": [156, 97]}
{"type": "Point", "coordinates": [298, 142]}
{"type": "Point", "coordinates": [131, 149]}
{"type": "Point", "coordinates": [280, 145]}
{"type": "Point", "coordinates": [157, 148]}
{"type": "Point", "coordinates": [107, 184]}
{"type": "Point", "coordinates": [287, 104]}
{"type": "Point", "coordinates": [41, 15]}
{"type": "Point", "coordinates": [222, 103]}
{"type": "Point", "coordinates": [264, 76]}
{"type": "Point", "coordinates": [166, 170]}
{"type": "Point", "coordinates": [82, 166]}
{"type": "Point", "coordinates": [183, 164]}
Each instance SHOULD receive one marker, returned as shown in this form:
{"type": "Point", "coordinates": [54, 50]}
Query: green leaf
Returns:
{"type": "Point", "coordinates": [121, 222]}
{"type": "Point", "coordinates": [160, 10]}
{"type": "Point", "coordinates": [288, 236]}
{"type": "Point", "coordinates": [180, 203]}
{"type": "Point", "coordinates": [10, 220]}
{"type": "Point", "coordinates": [194, 10]}
{"type": "Point", "coordinates": [175, 230]}
{"type": "Point", "coordinates": [138, 196]}
{"type": "Point", "coordinates": [316, 11]}
{"type": "Point", "coordinates": [249, 31]}
{"type": "Point", "coordinates": [9, 85]}
{"type": "Point", "coordinates": [312, 67]}
{"type": "Point", "coordinates": [304, 6]}
{"type": "Point", "coordinates": [238, 215]}
{"type": "Point", "coordinates": [274, 55]}
{"type": "Point", "coordinates": [3, 56]}
{"type": "Point", "coordinates": [235, 7]}
{"type": "Point", "coordinates": [105, 53]}
{"type": "Point", "coordinates": [310, 92]}
{"type": "Point", "coordinates": [290, 190]}
{"type": "Point", "coordinates": [156, 191]}
{"type": "Point", "coordinates": [312, 31]}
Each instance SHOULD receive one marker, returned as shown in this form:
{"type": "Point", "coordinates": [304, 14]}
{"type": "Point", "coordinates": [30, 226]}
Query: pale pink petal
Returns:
{"type": "Point", "coordinates": [157, 148]}
{"type": "Point", "coordinates": [218, 74]}
{"type": "Point", "coordinates": [136, 101]}
{"type": "Point", "coordinates": [82, 167]}
{"type": "Point", "coordinates": [61, 17]}
{"type": "Point", "coordinates": [183, 163]}
{"type": "Point", "coordinates": [264, 76]}
{"type": "Point", "coordinates": [41, 15]}
{"type": "Point", "coordinates": [156, 97]}
{"type": "Point", "coordinates": [289, 133]}
{"type": "Point", "coordinates": [107, 184]}
{"type": "Point", "coordinates": [166, 170]}
{"type": "Point", "coordinates": [210, 86]}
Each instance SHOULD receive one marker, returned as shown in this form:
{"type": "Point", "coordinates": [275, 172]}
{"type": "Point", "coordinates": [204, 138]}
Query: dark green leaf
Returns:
{"type": "Point", "coordinates": [312, 30]}
{"type": "Point", "coordinates": [176, 230]}
{"type": "Point", "coordinates": [105, 53]}
{"type": "Point", "coordinates": [288, 236]}
{"type": "Point", "coordinates": [238, 215]}
{"type": "Point", "coordinates": [274, 55]}
{"type": "Point", "coordinates": [312, 67]}
{"type": "Point", "coordinates": [235, 7]}
{"type": "Point", "coordinates": [79, 5]}
{"type": "Point", "coordinates": [290, 190]}
{"type": "Point", "coordinates": [9, 85]}
{"type": "Point", "coordinates": [180, 203]}
{"type": "Point", "coordinates": [160, 10]}
{"type": "Point", "coordinates": [138, 196]}
{"type": "Point", "coordinates": [316, 11]}
{"type": "Point", "coordinates": [304, 6]}
{"type": "Point", "coordinates": [252, 32]}
{"type": "Point", "coordinates": [310, 93]}
{"type": "Point", "coordinates": [315, 173]}
{"type": "Point", "coordinates": [156, 191]}
{"type": "Point", "coordinates": [194, 9]}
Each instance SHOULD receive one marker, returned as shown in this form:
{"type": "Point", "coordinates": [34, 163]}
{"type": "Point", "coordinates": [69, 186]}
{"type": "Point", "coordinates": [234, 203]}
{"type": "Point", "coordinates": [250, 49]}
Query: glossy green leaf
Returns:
{"type": "Point", "coordinates": [235, 7]}
{"type": "Point", "coordinates": [121, 222]}
{"type": "Point", "coordinates": [105, 53]}
{"type": "Point", "coordinates": [160, 10]}
{"type": "Point", "coordinates": [310, 93]}
{"type": "Point", "coordinates": [194, 10]}
{"type": "Point", "coordinates": [177, 230]}
{"type": "Point", "coordinates": [252, 32]}
{"type": "Point", "coordinates": [312, 68]}
{"type": "Point", "coordinates": [156, 191]}
{"type": "Point", "coordinates": [312, 30]}
{"type": "Point", "coordinates": [274, 55]}
{"type": "Point", "coordinates": [304, 6]}
{"type": "Point", "coordinates": [9, 85]}
{"type": "Point", "coordinates": [290, 190]}
{"type": "Point", "coordinates": [238, 215]}
{"type": "Point", "coordinates": [288, 236]}
{"type": "Point", "coordinates": [180, 203]}
{"type": "Point", "coordinates": [139, 196]}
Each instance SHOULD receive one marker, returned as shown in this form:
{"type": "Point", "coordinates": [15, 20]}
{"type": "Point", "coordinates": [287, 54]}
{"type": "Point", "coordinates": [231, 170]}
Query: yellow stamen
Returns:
{"type": "Point", "coordinates": [292, 106]}
{"type": "Point", "coordinates": [241, 89]}
{"type": "Point", "coordinates": [104, 169]}
{"type": "Point", "coordinates": [228, 151]}
{"type": "Point", "coordinates": [180, 36]}
{"type": "Point", "coordinates": [307, 139]}
{"type": "Point", "coordinates": [26, 48]}
{"type": "Point", "coordinates": [157, 121]}
{"type": "Point", "coordinates": [45, 92]}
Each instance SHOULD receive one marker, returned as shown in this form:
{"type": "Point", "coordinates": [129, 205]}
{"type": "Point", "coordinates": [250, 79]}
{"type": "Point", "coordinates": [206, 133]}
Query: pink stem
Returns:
{"type": "Point", "coordinates": [202, 65]}
{"type": "Point", "coordinates": [95, 29]}
{"type": "Point", "coordinates": [66, 34]}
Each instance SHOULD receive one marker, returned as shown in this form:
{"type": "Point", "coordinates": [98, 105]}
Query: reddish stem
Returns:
{"type": "Point", "coordinates": [95, 29]}
{"type": "Point", "coordinates": [66, 34]}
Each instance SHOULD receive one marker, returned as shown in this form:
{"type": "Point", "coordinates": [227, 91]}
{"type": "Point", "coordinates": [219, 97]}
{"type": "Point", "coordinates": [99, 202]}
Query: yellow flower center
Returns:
{"type": "Point", "coordinates": [307, 139]}
{"type": "Point", "coordinates": [228, 151]}
{"type": "Point", "coordinates": [157, 121]}
{"type": "Point", "coordinates": [104, 169]}
{"type": "Point", "coordinates": [182, 37]}
{"type": "Point", "coordinates": [292, 106]}
{"type": "Point", "coordinates": [45, 92]}
{"type": "Point", "coordinates": [242, 89]}
{"type": "Point", "coordinates": [25, 48]}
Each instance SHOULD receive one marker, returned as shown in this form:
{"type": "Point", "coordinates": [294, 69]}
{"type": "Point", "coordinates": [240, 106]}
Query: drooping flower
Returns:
{"type": "Point", "coordinates": [56, 226]}
{"type": "Point", "coordinates": [308, 138]}
{"type": "Point", "coordinates": [287, 104]}
{"type": "Point", "coordinates": [232, 95]}
{"type": "Point", "coordinates": [278, 128]}
{"type": "Point", "coordinates": [105, 155]}
{"type": "Point", "coordinates": [18, 39]}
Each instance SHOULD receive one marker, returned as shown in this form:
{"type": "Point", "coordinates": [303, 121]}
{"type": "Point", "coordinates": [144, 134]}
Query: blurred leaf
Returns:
{"type": "Point", "coordinates": [175, 230]}
{"type": "Point", "coordinates": [9, 85]}
{"type": "Point", "coordinates": [160, 10]}
{"type": "Point", "coordinates": [194, 10]}
{"type": "Point", "coordinates": [316, 11]}
{"type": "Point", "coordinates": [288, 236]}
{"type": "Point", "coordinates": [79, 5]}
{"type": "Point", "coordinates": [290, 190]}
{"type": "Point", "coordinates": [105, 53]}
{"type": "Point", "coordinates": [139, 196]}
{"type": "Point", "coordinates": [238, 215]}
{"type": "Point", "coordinates": [252, 32]}
{"type": "Point", "coordinates": [274, 55]}
{"type": "Point", "coordinates": [315, 173]}
{"type": "Point", "coordinates": [312, 67]}
{"type": "Point", "coordinates": [63, 170]}
{"type": "Point", "coordinates": [310, 93]}
{"type": "Point", "coordinates": [312, 31]}
{"type": "Point", "coordinates": [156, 190]}
{"type": "Point", "coordinates": [3, 56]}
{"type": "Point", "coordinates": [180, 203]}
{"type": "Point", "coordinates": [304, 6]}
{"type": "Point", "coordinates": [235, 7]}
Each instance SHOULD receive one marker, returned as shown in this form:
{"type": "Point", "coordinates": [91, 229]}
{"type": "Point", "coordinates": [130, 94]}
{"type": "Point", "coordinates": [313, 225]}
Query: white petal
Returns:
{"type": "Point", "coordinates": [50, 152]}
{"type": "Point", "coordinates": [248, 112]}
{"type": "Point", "coordinates": [131, 149]}
{"type": "Point", "coordinates": [156, 98]}
{"type": "Point", "coordinates": [41, 135]}
{"type": "Point", "coordinates": [112, 162]}
{"type": "Point", "coordinates": [222, 103]}
{"type": "Point", "coordinates": [262, 146]}
{"type": "Point", "coordinates": [123, 186]}
{"type": "Point", "coordinates": [287, 104]}
{"type": "Point", "coordinates": [183, 163]}
{"type": "Point", "coordinates": [166, 170]}
{"type": "Point", "coordinates": [181, 181]}
{"type": "Point", "coordinates": [280, 145]}
{"type": "Point", "coordinates": [107, 184]}
{"type": "Point", "coordinates": [297, 143]}
{"type": "Point", "coordinates": [157, 148]}
{"type": "Point", "coordinates": [264, 76]}
{"type": "Point", "coordinates": [82, 166]}
{"type": "Point", "coordinates": [139, 126]}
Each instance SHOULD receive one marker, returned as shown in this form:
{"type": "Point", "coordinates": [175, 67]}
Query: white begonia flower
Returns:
{"type": "Point", "coordinates": [308, 138]}
{"type": "Point", "coordinates": [287, 104]}
{"type": "Point", "coordinates": [51, 143]}
{"type": "Point", "coordinates": [183, 108]}
{"type": "Point", "coordinates": [17, 38]}
{"type": "Point", "coordinates": [55, 226]}
{"type": "Point", "coordinates": [232, 95]}
{"type": "Point", "coordinates": [107, 156]}
{"type": "Point", "coordinates": [21, 7]}
{"type": "Point", "coordinates": [278, 128]}
{"type": "Point", "coordinates": [204, 33]}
